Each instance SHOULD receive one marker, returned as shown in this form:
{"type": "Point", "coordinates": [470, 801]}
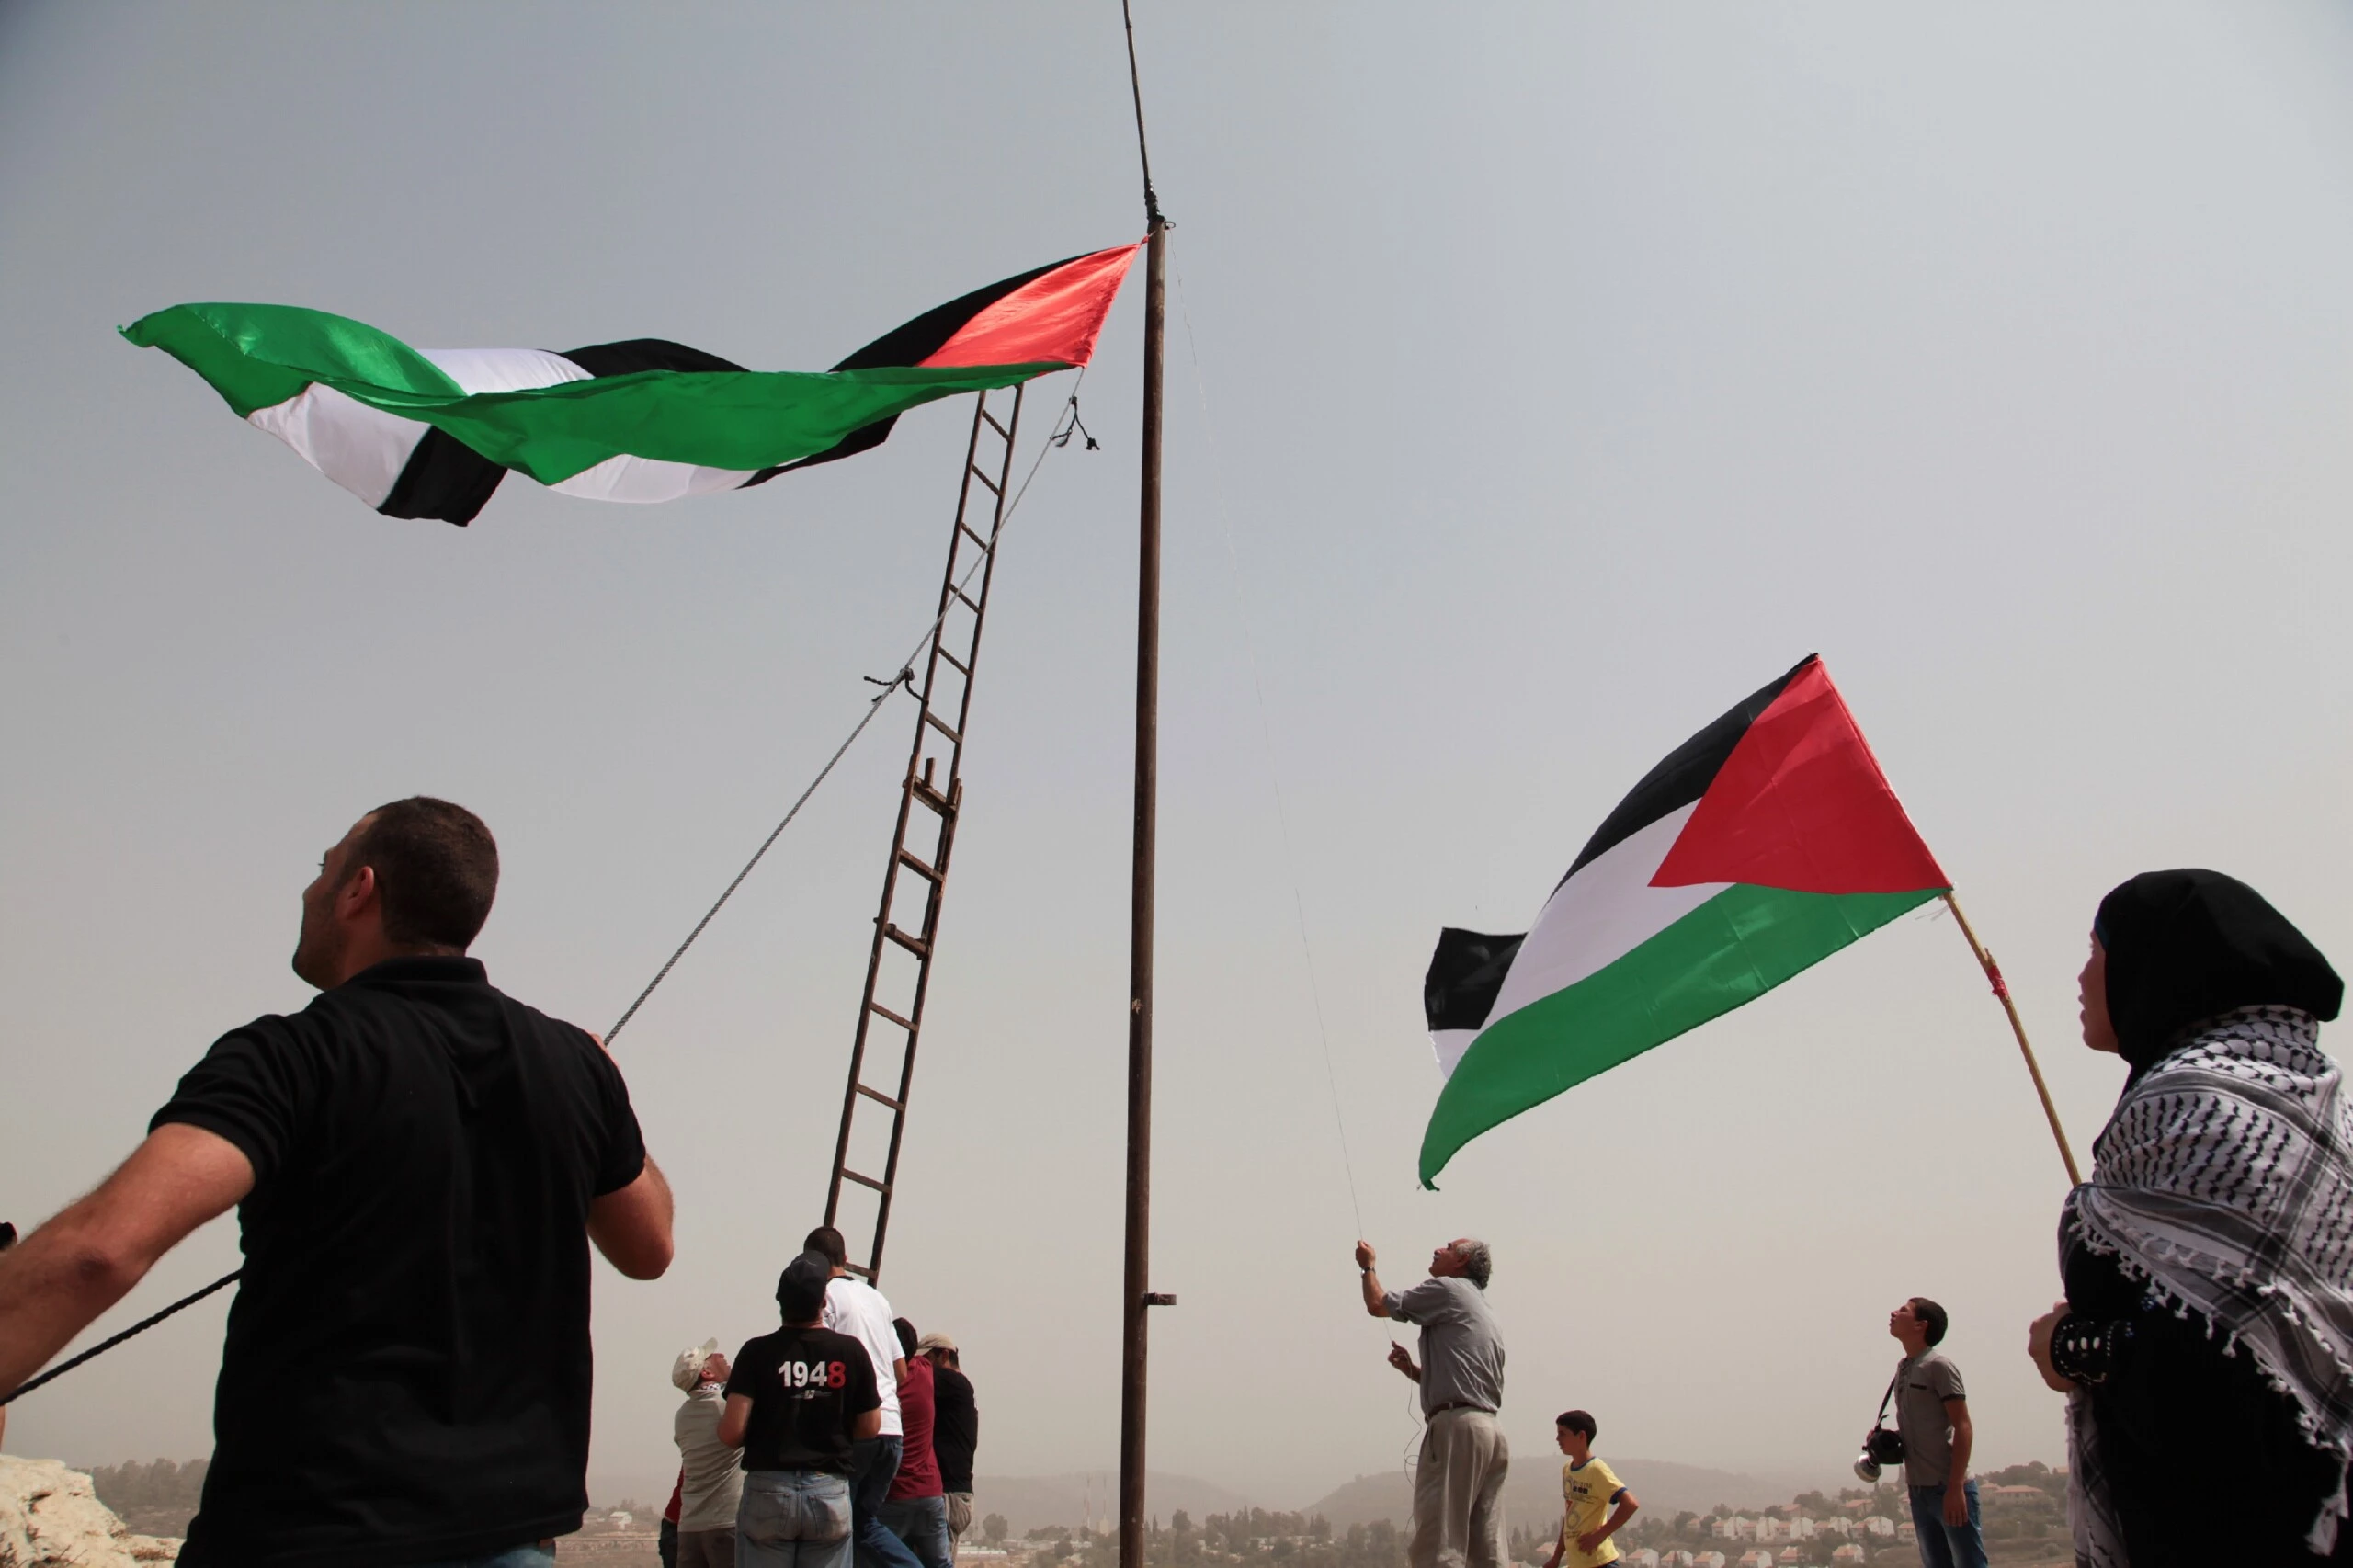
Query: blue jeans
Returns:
{"type": "Point", "coordinates": [874, 1465]}
{"type": "Point", "coordinates": [1943, 1545]}
{"type": "Point", "coordinates": [922, 1523]}
{"type": "Point", "coordinates": [532, 1556]}
{"type": "Point", "coordinates": [792, 1518]}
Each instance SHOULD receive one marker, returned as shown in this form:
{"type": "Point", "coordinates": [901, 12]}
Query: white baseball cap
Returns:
{"type": "Point", "coordinates": [686, 1370]}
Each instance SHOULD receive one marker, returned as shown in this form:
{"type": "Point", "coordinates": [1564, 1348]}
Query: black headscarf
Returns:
{"type": "Point", "coordinates": [2187, 946]}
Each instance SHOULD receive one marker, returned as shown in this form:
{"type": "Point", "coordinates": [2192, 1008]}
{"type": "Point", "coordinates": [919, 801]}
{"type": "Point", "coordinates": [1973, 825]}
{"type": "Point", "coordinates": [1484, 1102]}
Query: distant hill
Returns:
{"type": "Point", "coordinates": [1532, 1492]}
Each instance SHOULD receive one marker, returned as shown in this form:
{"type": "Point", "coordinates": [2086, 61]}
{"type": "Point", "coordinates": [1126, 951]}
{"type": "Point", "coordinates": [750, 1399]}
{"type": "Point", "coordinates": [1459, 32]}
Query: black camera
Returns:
{"type": "Point", "coordinates": [1882, 1448]}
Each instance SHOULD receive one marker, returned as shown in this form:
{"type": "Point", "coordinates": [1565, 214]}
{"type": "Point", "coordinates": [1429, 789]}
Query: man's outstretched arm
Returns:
{"type": "Point", "coordinates": [1375, 1300]}
{"type": "Point", "coordinates": [631, 1226]}
{"type": "Point", "coordinates": [85, 1260]}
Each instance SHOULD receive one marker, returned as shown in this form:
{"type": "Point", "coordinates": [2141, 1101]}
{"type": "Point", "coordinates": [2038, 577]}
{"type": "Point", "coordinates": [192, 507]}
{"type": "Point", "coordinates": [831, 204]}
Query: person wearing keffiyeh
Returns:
{"type": "Point", "coordinates": [2209, 1262]}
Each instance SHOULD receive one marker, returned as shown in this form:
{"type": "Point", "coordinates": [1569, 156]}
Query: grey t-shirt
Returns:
{"type": "Point", "coordinates": [1462, 1352]}
{"type": "Point", "coordinates": [1923, 1383]}
{"type": "Point", "coordinates": [713, 1481]}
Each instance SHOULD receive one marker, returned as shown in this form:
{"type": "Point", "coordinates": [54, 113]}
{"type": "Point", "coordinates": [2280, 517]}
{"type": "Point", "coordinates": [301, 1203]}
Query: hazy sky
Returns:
{"type": "Point", "coordinates": [1542, 380]}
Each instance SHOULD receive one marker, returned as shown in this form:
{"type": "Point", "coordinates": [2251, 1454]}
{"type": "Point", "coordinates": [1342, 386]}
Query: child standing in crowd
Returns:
{"type": "Point", "coordinates": [1595, 1505]}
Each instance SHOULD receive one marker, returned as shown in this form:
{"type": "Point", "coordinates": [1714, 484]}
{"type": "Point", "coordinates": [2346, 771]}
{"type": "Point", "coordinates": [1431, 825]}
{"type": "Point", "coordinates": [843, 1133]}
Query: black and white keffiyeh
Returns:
{"type": "Point", "coordinates": [2222, 1183]}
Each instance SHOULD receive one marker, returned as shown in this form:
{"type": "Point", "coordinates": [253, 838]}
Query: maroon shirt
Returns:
{"type": "Point", "coordinates": [918, 1468]}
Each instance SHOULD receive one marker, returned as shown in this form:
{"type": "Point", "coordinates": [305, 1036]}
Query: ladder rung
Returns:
{"type": "Point", "coordinates": [914, 945]}
{"type": "Point", "coordinates": [962, 667]}
{"type": "Point", "coordinates": [879, 1097]}
{"type": "Point", "coordinates": [972, 533]}
{"type": "Point", "coordinates": [971, 603]}
{"type": "Point", "coordinates": [893, 1017]}
{"type": "Point", "coordinates": [984, 479]}
{"type": "Point", "coordinates": [849, 1175]}
{"type": "Point", "coordinates": [859, 1269]}
{"type": "Point", "coordinates": [994, 426]}
{"type": "Point", "coordinates": [931, 797]}
{"type": "Point", "coordinates": [937, 723]}
{"type": "Point", "coordinates": [918, 868]}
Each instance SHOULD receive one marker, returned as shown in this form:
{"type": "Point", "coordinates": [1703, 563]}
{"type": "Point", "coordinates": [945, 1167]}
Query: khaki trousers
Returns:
{"type": "Point", "coordinates": [1457, 1493]}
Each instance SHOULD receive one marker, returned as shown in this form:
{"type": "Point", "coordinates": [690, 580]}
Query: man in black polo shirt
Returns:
{"type": "Point", "coordinates": [421, 1162]}
{"type": "Point", "coordinates": [796, 1401]}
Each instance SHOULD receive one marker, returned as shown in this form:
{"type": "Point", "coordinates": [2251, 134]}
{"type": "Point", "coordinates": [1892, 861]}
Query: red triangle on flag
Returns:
{"type": "Point", "coordinates": [1801, 805]}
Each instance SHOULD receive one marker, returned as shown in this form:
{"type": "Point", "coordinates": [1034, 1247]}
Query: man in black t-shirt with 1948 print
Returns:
{"type": "Point", "coordinates": [796, 1401]}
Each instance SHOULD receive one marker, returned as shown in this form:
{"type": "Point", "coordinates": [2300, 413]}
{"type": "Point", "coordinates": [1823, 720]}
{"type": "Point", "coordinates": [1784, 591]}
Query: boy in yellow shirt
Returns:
{"type": "Point", "coordinates": [1595, 1505]}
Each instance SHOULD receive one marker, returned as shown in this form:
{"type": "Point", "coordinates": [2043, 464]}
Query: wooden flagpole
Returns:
{"type": "Point", "coordinates": [2001, 989]}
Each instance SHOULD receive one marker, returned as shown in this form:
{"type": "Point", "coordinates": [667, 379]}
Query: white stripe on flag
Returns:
{"type": "Point", "coordinates": [1599, 915]}
{"type": "Point", "coordinates": [615, 479]}
{"type": "Point", "coordinates": [503, 370]}
{"type": "Point", "coordinates": [359, 448]}
{"type": "Point", "coordinates": [646, 479]}
{"type": "Point", "coordinates": [1451, 1044]}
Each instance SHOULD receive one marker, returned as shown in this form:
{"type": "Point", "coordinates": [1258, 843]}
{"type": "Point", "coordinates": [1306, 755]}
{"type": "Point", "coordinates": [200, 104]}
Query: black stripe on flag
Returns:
{"type": "Point", "coordinates": [646, 354]}
{"type": "Point", "coordinates": [910, 343]}
{"type": "Point", "coordinates": [443, 479]}
{"type": "Point", "coordinates": [1686, 772]}
{"type": "Point", "coordinates": [1465, 974]}
{"type": "Point", "coordinates": [447, 480]}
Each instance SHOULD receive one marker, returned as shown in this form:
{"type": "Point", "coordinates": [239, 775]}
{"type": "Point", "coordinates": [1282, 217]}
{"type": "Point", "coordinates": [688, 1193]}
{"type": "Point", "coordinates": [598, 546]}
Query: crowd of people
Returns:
{"type": "Point", "coordinates": [421, 1165]}
{"type": "Point", "coordinates": [845, 1433]}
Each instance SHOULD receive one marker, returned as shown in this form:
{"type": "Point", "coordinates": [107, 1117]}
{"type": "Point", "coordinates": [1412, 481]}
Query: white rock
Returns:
{"type": "Point", "coordinates": [49, 1518]}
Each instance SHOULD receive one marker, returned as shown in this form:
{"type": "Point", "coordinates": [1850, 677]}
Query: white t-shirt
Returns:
{"type": "Point", "coordinates": [855, 1308]}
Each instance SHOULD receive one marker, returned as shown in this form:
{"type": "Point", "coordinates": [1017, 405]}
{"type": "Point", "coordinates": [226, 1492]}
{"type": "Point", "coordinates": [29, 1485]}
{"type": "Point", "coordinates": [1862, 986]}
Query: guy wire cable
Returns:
{"type": "Point", "coordinates": [1267, 735]}
{"type": "Point", "coordinates": [905, 677]}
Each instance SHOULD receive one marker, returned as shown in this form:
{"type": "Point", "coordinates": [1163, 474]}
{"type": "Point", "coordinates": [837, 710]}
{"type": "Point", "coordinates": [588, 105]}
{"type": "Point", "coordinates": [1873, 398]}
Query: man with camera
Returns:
{"type": "Point", "coordinates": [1931, 1441]}
{"type": "Point", "coordinates": [1458, 1484]}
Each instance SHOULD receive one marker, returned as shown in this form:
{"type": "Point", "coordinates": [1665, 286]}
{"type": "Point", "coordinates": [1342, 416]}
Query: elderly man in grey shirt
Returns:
{"type": "Point", "coordinates": [1458, 1484]}
{"type": "Point", "coordinates": [711, 1480]}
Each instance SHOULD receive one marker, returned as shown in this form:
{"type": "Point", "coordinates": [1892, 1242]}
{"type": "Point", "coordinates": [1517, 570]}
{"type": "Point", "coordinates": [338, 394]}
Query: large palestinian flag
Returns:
{"type": "Point", "coordinates": [429, 433]}
{"type": "Point", "coordinates": [1761, 845]}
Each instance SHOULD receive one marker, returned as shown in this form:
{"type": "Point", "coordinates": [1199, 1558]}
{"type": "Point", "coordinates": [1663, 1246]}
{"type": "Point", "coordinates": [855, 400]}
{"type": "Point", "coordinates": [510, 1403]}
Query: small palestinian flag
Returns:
{"type": "Point", "coordinates": [429, 433]}
{"type": "Point", "coordinates": [1761, 845]}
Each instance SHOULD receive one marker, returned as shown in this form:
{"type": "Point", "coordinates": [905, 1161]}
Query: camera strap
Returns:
{"type": "Point", "coordinates": [1885, 1400]}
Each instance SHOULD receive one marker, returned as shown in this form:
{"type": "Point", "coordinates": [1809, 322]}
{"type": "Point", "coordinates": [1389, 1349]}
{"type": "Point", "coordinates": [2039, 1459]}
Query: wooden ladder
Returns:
{"type": "Point", "coordinates": [898, 970]}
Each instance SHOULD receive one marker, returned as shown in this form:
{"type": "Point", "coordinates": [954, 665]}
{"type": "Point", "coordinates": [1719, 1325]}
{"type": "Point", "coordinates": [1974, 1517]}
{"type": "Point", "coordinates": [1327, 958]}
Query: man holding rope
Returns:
{"type": "Point", "coordinates": [1459, 1482]}
{"type": "Point", "coordinates": [421, 1164]}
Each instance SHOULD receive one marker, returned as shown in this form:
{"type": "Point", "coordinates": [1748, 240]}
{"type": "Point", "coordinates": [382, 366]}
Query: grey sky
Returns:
{"type": "Point", "coordinates": [1562, 374]}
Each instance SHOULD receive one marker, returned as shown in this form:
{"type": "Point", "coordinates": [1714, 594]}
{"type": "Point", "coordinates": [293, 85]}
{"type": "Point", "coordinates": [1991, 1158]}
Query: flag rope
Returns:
{"type": "Point", "coordinates": [1266, 734]}
{"type": "Point", "coordinates": [141, 1326]}
{"type": "Point", "coordinates": [2017, 1027]}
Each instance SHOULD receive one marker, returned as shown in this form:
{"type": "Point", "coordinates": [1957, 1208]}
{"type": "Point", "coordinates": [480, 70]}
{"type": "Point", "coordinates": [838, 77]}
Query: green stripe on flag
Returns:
{"type": "Point", "coordinates": [258, 356]}
{"type": "Point", "coordinates": [1732, 949]}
